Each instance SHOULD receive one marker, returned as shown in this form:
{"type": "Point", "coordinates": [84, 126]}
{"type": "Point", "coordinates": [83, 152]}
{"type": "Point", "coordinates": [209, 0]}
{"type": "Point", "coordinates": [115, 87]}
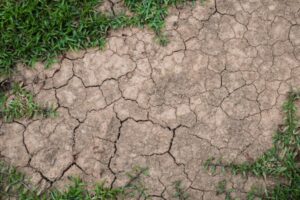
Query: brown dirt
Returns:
{"type": "Point", "coordinates": [215, 90]}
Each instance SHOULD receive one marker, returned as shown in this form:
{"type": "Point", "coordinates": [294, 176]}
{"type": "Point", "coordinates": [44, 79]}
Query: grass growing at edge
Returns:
{"type": "Point", "coordinates": [18, 103]}
{"type": "Point", "coordinates": [41, 30]}
{"type": "Point", "coordinates": [14, 185]}
{"type": "Point", "coordinates": [281, 161]}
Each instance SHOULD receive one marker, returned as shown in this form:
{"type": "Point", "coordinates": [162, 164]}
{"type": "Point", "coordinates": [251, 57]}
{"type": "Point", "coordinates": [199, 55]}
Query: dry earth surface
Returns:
{"type": "Point", "coordinates": [215, 90]}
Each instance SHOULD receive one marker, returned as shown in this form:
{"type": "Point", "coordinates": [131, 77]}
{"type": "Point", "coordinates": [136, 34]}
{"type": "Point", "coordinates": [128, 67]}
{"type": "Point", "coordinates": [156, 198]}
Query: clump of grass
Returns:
{"type": "Point", "coordinates": [19, 103]}
{"type": "Point", "coordinates": [281, 161]}
{"type": "Point", "coordinates": [136, 187]}
{"type": "Point", "coordinates": [151, 12]}
{"type": "Point", "coordinates": [12, 181]}
{"type": "Point", "coordinates": [180, 193]}
{"type": "Point", "coordinates": [221, 188]}
{"type": "Point", "coordinates": [163, 39]}
{"type": "Point", "coordinates": [14, 185]}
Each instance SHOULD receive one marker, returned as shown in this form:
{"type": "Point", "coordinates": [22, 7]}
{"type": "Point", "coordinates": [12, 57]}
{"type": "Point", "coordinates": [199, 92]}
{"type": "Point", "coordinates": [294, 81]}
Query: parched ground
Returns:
{"type": "Point", "coordinates": [215, 90]}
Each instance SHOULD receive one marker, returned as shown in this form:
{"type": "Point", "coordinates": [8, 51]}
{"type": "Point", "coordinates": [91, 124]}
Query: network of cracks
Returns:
{"type": "Point", "coordinates": [215, 90]}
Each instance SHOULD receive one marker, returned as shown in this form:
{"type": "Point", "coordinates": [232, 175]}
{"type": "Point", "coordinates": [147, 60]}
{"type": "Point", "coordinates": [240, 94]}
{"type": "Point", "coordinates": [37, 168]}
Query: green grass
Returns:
{"type": "Point", "coordinates": [41, 30]}
{"type": "Point", "coordinates": [180, 193]}
{"type": "Point", "coordinates": [34, 30]}
{"type": "Point", "coordinates": [280, 162]}
{"type": "Point", "coordinates": [14, 184]}
{"type": "Point", "coordinates": [18, 103]}
{"type": "Point", "coordinates": [221, 188]}
{"type": "Point", "coordinates": [151, 12]}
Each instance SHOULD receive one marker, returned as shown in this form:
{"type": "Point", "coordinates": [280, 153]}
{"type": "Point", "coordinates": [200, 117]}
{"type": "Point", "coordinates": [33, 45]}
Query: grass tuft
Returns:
{"type": "Point", "coordinates": [221, 188]}
{"type": "Point", "coordinates": [18, 103]}
{"type": "Point", "coordinates": [180, 193]}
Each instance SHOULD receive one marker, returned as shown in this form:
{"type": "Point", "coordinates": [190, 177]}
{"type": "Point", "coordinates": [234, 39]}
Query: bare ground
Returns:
{"type": "Point", "coordinates": [215, 90]}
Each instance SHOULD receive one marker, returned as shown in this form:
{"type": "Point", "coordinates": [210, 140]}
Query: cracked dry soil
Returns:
{"type": "Point", "coordinates": [215, 90]}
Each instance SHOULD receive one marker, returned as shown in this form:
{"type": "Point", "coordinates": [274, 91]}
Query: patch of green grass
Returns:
{"type": "Point", "coordinates": [77, 191]}
{"type": "Point", "coordinates": [136, 187]}
{"type": "Point", "coordinates": [151, 12]}
{"type": "Point", "coordinates": [18, 103]}
{"type": "Point", "coordinates": [41, 30]}
{"type": "Point", "coordinates": [163, 40]}
{"type": "Point", "coordinates": [281, 161]}
{"type": "Point", "coordinates": [180, 193]}
{"type": "Point", "coordinates": [13, 184]}
{"type": "Point", "coordinates": [221, 188]}
{"type": "Point", "coordinates": [11, 181]}
{"type": "Point", "coordinates": [38, 30]}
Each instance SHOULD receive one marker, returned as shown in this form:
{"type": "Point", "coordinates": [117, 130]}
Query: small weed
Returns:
{"type": "Point", "coordinates": [180, 193]}
{"type": "Point", "coordinates": [163, 40]}
{"type": "Point", "coordinates": [12, 181]}
{"type": "Point", "coordinates": [221, 188]}
{"type": "Point", "coordinates": [281, 161]}
{"type": "Point", "coordinates": [19, 103]}
{"type": "Point", "coordinates": [136, 187]}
